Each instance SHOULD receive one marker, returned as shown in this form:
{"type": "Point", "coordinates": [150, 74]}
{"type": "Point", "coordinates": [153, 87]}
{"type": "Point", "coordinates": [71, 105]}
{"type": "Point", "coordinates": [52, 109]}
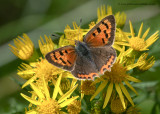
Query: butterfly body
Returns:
{"type": "Point", "coordinates": [83, 50]}
{"type": "Point", "coordinates": [94, 55]}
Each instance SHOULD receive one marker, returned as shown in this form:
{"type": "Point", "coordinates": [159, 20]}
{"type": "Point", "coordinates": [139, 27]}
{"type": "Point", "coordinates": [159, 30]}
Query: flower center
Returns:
{"type": "Point", "coordinates": [117, 74]}
{"type": "Point", "coordinates": [137, 43]}
{"type": "Point", "coordinates": [49, 107]}
{"type": "Point", "coordinates": [87, 88]}
{"type": "Point", "coordinates": [116, 106]}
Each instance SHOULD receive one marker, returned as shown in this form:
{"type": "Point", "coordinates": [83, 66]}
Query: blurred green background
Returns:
{"type": "Point", "coordinates": [39, 17]}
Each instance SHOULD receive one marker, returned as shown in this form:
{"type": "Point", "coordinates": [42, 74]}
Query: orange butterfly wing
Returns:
{"type": "Point", "coordinates": [101, 34]}
{"type": "Point", "coordinates": [64, 57]}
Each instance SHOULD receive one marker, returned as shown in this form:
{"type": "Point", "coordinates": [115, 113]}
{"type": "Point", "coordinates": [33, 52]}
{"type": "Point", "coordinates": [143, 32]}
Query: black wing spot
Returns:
{"type": "Point", "coordinates": [55, 57]}
{"type": "Point", "coordinates": [60, 53]}
{"type": "Point", "coordinates": [69, 62]}
{"type": "Point", "coordinates": [94, 34]}
{"type": "Point", "coordinates": [106, 35]}
{"type": "Point", "coordinates": [99, 30]}
{"type": "Point", "coordinates": [62, 60]}
{"type": "Point", "coordinates": [105, 24]}
{"type": "Point", "coordinates": [66, 51]}
{"type": "Point", "coordinates": [103, 40]}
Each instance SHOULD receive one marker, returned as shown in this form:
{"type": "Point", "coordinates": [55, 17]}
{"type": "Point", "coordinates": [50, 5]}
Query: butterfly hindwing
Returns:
{"type": "Point", "coordinates": [102, 33]}
{"type": "Point", "coordinates": [104, 57]}
{"type": "Point", "coordinates": [84, 69]}
{"type": "Point", "coordinates": [64, 57]}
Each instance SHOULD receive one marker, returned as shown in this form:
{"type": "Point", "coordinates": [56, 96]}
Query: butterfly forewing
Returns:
{"type": "Point", "coordinates": [64, 57]}
{"type": "Point", "coordinates": [101, 34]}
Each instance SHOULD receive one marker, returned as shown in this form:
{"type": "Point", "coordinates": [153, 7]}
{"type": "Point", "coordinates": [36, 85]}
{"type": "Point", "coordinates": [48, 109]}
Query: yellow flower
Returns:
{"type": "Point", "coordinates": [138, 43]}
{"type": "Point", "coordinates": [147, 63]}
{"type": "Point", "coordinates": [46, 47]}
{"type": "Point", "coordinates": [117, 77]}
{"type": "Point", "coordinates": [116, 106]}
{"type": "Point", "coordinates": [74, 107]}
{"type": "Point", "coordinates": [119, 17]}
{"type": "Point", "coordinates": [133, 110]}
{"type": "Point", "coordinates": [87, 88]}
{"type": "Point", "coordinates": [48, 104]}
{"type": "Point", "coordinates": [36, 70]}
{"type": "Point", "coordinates": [24, 47]}
{"type": "Point", "coordinates": [70, 35]}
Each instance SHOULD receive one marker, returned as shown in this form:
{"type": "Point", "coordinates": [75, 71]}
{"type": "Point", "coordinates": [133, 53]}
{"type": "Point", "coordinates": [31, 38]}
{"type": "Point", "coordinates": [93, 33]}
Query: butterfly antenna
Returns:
{"type": "Point", "coordinates": [79, 29]}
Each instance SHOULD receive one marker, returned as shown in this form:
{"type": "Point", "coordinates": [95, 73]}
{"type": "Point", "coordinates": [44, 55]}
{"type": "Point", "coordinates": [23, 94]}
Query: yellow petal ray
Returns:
{"type": "Point", "coordinates": [73, 82]}
{"type": "Point", "coordinates": [124, 34]}
{"type": "Point", "coordinates": [152, 39]}
{"type": "Point", "coordinates": [67, 94]}
{"type": "Point", "coordinates": [124, 90]}
{"type": "Point", "coordinates": [29, 81]}
{"type": "Point", "coordinates": [108, 94]}
{"type": "Point", "coordinates": [128, 51]}
{"type": "Point", "coordinates": [46, 91]}
{"type": "Point", "coordinates": [140, 30]}
{"type": "Point", "coordinates": [122, 43]}
{"type": "Point", "coordinates": [60, 91]}
{"type": "Point", "coordinates": [145, 34]}
{"type": "Point", "coordinates": [56, 89]}
{"type": "Point", "coordinates": [117, 47]}
{"type": "Point", "coordinates": [118, 89]}
{"type": "Point", "coordinates": [30, 100]}
{"type": "Point", "coordinates": [131, 29]}
{"type": "Point", "coordinates": [130, 78]}
{"type": "Point", "coordinates": [37, 91]}
{"type": "Point", "coordinates": [82, 94]}
{"type": "Point", "coordinates": [130, 86]}
{"type": "Point", "coordinates": [129, 67]}
{"type": "Point", "coordinates": [68, 101]}
{"type": "Point", "coordinates": [99, 79]}
{"type": "Point", "coordinates": [99, 89]}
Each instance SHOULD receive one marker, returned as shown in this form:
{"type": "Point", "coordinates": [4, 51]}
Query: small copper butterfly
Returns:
{"type": "Point", "coordinates": [95, 54]}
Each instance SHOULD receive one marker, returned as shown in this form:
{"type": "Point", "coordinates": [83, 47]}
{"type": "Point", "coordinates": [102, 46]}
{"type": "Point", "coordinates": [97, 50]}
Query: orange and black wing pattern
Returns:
{"type": "Point", "coordinates": [64, 57]}
{"type": "Point", "coordinates": [101, 34]}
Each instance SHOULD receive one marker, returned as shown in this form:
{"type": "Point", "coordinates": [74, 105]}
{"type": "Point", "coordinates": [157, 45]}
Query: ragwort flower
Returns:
{"type": "Point", "coordinates": [147, 63]}
{"type": "Point", "coordinates": [47, 104]}
{"type": "Point", "coordinates": [46, 47]}
{"type": "Point", "coordinates": [138, 43]}
{"type": "Point", "coordinates": [119, 17]}
{"type": "Point", "coordinates": [24, 48]}
{"type": "Point", "coordinates": [116, 78]}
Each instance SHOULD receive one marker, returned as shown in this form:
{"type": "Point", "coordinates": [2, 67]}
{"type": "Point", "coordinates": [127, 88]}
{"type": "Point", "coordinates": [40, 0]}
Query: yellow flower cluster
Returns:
{"type": "Point", "coordinates": [52, 87]}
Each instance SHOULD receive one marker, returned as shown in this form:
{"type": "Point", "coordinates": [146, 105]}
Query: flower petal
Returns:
{"type": "Point", "coordinates": [140, 30]}
{"type": "Point", "coordinates": [37, 91]}
{"type": "Point", "coordinates": [99, 89]}
{"type": "Point", "coordinates": [46, 91]}
{"type": "Point", "coordinates": [108, 94]}
{"type": "Point", "coordinates": [145, 34]}
{"type": "Point", "coordinates": [131, 29]}
{"type": "Point", "coordinates": [29, 81]}
{"type": "Point", "coordinates": [73, 82]}
{"type": "Point", "coordinates": [30, 99]}
{"type": "Point", "coordinates": [67, 94]}
{"type": "Point", "coordinates": [130, 86]}
{"type": "Point", "coordinates": [56, 89]}
{"type": "Point", "coordinates": [118, 89]}
{"type": "Point", "coordinates": [126, 93]}
{"type": "Point", "coordinates": [60, 91]}
{"type": "Point", "coordinates": [68, 101]}
{"type": "Point", "coordinates": [130, 78]}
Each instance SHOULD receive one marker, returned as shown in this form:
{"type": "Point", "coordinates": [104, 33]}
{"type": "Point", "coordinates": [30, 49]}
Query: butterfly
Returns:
{"type": "Point", "coordinates": [89, 58]}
